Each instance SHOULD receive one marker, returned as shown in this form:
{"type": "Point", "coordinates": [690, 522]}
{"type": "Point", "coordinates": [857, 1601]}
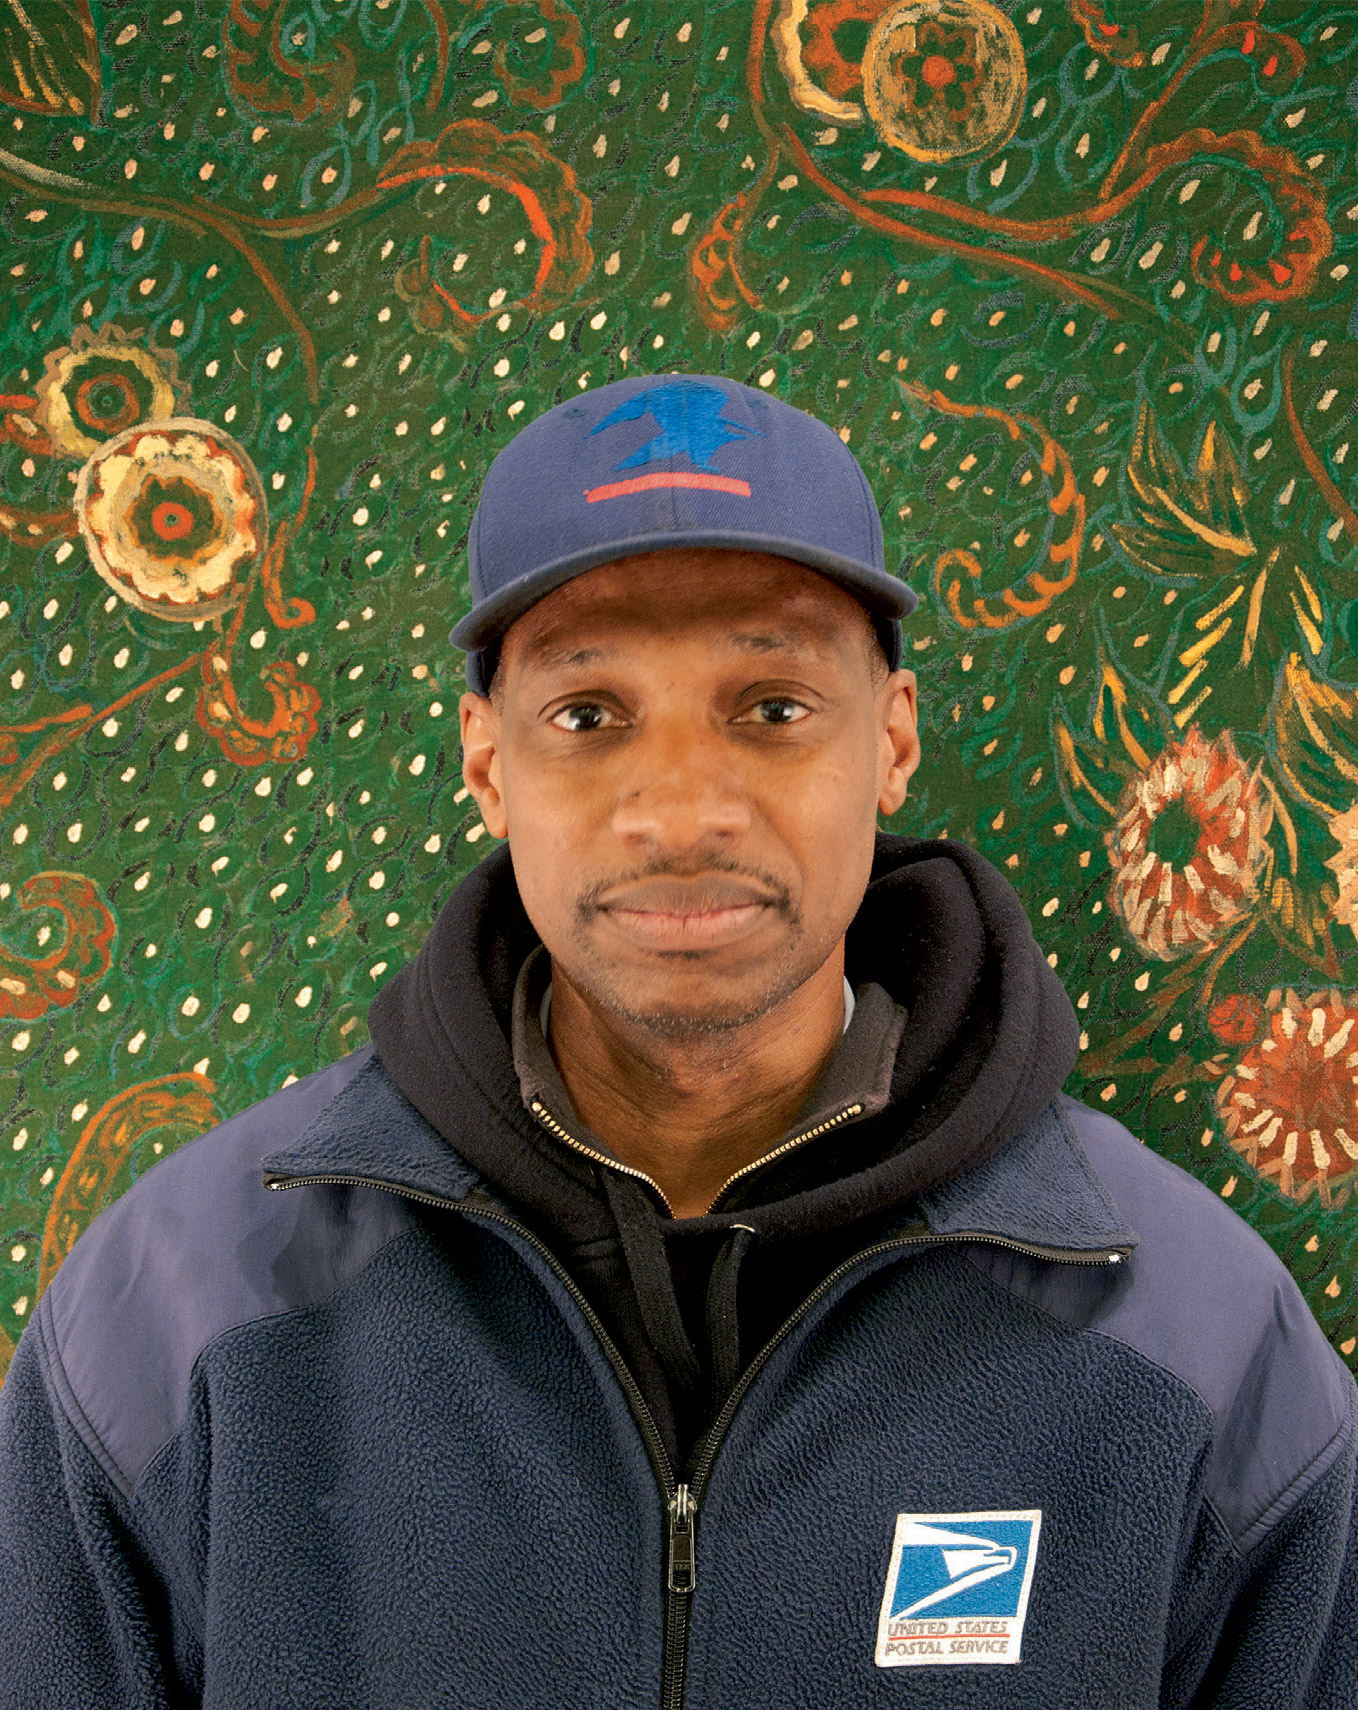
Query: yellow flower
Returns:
{"type": "Point", "coordinates": [100, 385]}
{"type": "Point", "coordinates": [173, 515]}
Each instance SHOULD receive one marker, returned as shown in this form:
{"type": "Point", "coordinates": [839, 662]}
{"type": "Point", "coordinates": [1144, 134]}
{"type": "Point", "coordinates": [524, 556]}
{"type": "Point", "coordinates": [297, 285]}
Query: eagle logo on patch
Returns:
{"type": "Point", "coordinates": [957, 1588]}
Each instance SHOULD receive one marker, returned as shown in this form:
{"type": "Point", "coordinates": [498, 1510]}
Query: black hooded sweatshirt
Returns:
{"type": "Point", "coordinates": [960, 1034]}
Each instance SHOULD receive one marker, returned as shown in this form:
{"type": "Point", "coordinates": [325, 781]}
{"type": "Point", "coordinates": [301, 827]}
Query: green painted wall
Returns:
{"type": "Point", "coordinates": [1076, 285]}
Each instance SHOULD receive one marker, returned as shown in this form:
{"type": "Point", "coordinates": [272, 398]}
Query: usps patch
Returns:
{"type": "Point", "coordinates": [957, 1588]}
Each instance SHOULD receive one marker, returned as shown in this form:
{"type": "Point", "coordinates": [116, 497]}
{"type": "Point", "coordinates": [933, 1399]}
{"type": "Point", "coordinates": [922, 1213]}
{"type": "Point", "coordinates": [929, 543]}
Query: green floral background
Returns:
{"type": "Point", "coordinates": [1075, 283]}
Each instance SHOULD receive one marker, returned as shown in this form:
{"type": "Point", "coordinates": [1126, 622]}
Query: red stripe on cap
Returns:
{"type": "Point", "coordinates": [645, 483]}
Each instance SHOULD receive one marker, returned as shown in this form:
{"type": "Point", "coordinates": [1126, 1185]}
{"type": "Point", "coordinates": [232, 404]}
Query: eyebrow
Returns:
{"type": "Point", "coordinates": [543, 653]}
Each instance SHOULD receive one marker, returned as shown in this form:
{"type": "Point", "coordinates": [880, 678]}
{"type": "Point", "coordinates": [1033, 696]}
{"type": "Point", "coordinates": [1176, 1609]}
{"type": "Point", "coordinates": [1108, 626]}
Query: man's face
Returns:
{"type": "Point", "coordinates": [688, 755]}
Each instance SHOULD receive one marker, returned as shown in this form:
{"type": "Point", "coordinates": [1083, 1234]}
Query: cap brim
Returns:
{"type": "Point", "coordinates": [885, 596]}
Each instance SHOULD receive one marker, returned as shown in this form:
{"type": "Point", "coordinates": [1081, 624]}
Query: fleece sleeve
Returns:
{"type": "Point", "coordinates": [1279, 1630]}
{"type": "Point", "coordinates": [83, 1622]}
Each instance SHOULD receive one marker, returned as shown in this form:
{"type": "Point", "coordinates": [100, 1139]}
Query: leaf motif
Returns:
{"type": "Point", "coordinates": [714, 266]}
{"type": "Point", "coordinates": [1315, 726]}
{"type": "Point", "coordinates": [557, 211]}
{"type": "Point", "coordinates": [49, 58]}
{"type": "Point", "coordinates": [1298, 198]}
{"type": "Point", "coordinates": [1117, 716]}
{"type": "Point", "coordinates": [1300, 889]}
{"type": "Point", "coordinates": [567, 46]}
{"type": "Point", "coordinates": [1054, 564]}
{"type": "Point", "coordinates": [1092, 779]}
{"type": "Point", "coordinates": [1118, 43]}
{"type": "Point", "coordinates": [33, 985]}
{"type": "Point", "coordinates": [1300, 920]}
{"type": "Point", "coordinates": [1248, 610]}
{"type": "Point", "coordinates": [181, 1100]}
{"type": "Point", "coordinates": [1191, 525]}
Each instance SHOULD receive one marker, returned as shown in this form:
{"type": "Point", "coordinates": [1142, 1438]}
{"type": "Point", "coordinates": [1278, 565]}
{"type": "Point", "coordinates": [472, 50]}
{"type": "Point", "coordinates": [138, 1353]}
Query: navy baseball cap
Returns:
{"type": "Point", "coordinates": [658, 461]}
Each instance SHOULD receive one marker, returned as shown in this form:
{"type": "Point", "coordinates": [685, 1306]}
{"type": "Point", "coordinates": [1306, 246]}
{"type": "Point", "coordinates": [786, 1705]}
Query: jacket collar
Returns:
{"type": "Point", "coordinates": [371, 1132]}
{"type": "Point", "coordinates": [1038, 1191]}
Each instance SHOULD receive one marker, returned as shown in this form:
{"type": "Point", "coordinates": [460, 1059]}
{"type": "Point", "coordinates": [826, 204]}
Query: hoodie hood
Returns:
{"type": "Point", "coordinates": [988, 1038]}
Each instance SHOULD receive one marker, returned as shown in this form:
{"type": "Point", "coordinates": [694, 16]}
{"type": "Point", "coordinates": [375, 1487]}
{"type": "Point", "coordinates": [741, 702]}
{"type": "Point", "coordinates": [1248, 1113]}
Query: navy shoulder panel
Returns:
{"type": "Point", "coordinates": [1207, 1299]}
{"type": "Point", "coordinates": [196, 1246]}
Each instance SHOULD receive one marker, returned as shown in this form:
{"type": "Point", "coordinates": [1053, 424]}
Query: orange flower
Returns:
{"type": "Point", "coordinates": [1188, 845]}
{"type": "Point", "coordinates": [840, 73]}
{"type": "Point", "coordinates": [1289, 1107]}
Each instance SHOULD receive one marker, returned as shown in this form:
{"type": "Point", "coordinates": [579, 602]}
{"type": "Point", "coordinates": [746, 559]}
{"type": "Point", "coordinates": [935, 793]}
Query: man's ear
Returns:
{"type": "Point", "coordinates": [481, 760]}
{"type": "Point", "coordinates": [899, 748]}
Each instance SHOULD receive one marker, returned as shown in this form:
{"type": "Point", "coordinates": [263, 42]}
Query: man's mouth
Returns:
{"type": "Point", "coordinates": [662, 928]}
{"type": "Point", "coordinates": [667, 913]}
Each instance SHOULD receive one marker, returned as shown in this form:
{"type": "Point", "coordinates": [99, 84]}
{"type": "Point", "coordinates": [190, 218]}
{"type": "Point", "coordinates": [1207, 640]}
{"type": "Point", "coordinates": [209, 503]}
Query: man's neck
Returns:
{"type": "Point", "coordinates": [690, 1113]}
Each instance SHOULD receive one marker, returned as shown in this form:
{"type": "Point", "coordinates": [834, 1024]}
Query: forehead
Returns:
{"type": "Point", "coordinates": [552, 651]}
{"type": "Point", "coordinates": [754, 603]}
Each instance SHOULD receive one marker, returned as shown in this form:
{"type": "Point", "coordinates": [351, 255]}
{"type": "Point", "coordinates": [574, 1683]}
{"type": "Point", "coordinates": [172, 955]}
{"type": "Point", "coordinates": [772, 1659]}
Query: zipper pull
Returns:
{"type": "Point", "coordinates": [683, 1511]}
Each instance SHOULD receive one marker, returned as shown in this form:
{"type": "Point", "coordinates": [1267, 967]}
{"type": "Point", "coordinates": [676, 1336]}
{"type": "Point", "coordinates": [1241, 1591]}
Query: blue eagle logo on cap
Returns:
{"type": "Point", "coordinates": [691, 423]}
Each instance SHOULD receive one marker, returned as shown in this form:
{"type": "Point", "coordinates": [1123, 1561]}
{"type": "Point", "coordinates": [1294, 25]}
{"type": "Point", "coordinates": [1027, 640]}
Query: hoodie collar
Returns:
{"type": "Point", "coordinates": [854, 1083]}
{"type": "Point", "coordinates": [1038, 1193]}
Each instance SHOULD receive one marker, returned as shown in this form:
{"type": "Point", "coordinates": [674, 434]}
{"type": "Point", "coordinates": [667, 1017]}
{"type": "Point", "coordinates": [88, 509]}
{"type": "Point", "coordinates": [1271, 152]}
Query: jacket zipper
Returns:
{"type": "Point", "coordinates": [548, 1121]}
{"type": "Point", "coordinates": [681, 1500]}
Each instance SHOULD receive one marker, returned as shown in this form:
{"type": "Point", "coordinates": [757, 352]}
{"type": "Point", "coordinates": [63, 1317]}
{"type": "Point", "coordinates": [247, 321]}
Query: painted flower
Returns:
{"type": "Point", "coordinates": [1289, 1106]}
{"type": "Point", "coordinates": [836, 34]}
{"type": "Point", "coordinates": [946, 80]}
{"type": "Point", "coordinates": [1188, 846]}
{"type": "Point", "coordinates": [1344, 866]}
{"type": "Point", "coordinates": [558, 215]}
{"type": "Point", "coordinates": [941, 71]}
{"type": "Point", "coordinates": [173, 515]}
{"type": "Point", "coordinates": [100, 385]}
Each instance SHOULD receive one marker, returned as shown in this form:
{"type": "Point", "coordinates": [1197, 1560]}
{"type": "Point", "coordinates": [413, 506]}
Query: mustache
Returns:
{"type": "Point", "coordinates": [670, 892]}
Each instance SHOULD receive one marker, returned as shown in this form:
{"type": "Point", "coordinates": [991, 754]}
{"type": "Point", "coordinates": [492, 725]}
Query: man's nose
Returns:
{"type": "Point", "coordinates": [682, 788]}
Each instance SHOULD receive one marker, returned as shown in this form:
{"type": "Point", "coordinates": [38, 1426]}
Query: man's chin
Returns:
{"type": "Point", "coordinates": [695, 1003]}
{"type": "Point", "coordinates": [689, 992]}
{"type": "Point", "coordinates": [686, 1025]}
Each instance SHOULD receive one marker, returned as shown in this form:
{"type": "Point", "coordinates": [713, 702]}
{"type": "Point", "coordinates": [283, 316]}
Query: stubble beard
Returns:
{"type": "Point", "coordinates": [597, 979]}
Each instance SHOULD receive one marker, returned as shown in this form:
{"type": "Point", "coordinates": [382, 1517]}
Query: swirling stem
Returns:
{"type": "Point", "coordinates": [1066, 283]}
{"type": "Point", "coordinates": [1027, 231]}
{"type": "Point", "coordinates": [1198, 50]}
{"type": "Point", "coordinates": [302, 225]}
{"type": "Point", "coordinates": [53, 745]}
{"type": "Point", "coordinates": [440, 23]}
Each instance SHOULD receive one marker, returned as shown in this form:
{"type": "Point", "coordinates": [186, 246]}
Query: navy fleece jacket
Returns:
{"type": "Point", "coordinates": [311, 1418]}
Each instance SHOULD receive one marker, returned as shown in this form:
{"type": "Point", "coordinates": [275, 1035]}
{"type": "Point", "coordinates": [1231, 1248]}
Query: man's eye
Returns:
{"type": "Point", "coordinates": [588, 715]}
{"type": "Point", "coordinates": [782, 710]}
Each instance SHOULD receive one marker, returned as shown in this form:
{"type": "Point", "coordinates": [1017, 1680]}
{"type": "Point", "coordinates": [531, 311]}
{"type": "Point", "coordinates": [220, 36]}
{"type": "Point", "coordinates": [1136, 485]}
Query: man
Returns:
{"type": "Point", "coordinates": [700, 1293]}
